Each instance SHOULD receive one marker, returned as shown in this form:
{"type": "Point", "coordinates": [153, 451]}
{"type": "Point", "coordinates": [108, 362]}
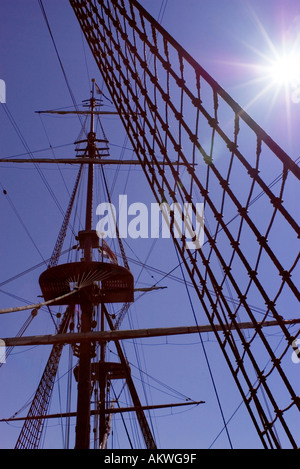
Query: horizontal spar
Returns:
{"type": "Point", "coordinates": [108, 336]}
{"type": "Point", "coordinates": [107, 411]}
{"type": "Point", "coordinates": [98, 113]}
{"type": "Point", "coordinates": [83, 161]}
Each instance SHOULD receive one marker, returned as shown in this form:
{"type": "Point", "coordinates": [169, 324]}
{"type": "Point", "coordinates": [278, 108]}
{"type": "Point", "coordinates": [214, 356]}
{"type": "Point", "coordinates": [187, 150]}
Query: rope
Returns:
{"type": "Point", "coordinates": [38, 305]}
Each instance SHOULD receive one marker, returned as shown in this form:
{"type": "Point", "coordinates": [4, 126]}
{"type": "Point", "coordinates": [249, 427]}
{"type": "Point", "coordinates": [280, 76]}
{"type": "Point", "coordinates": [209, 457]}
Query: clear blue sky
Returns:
{"type": "Point", "coordinates": [233, 41]}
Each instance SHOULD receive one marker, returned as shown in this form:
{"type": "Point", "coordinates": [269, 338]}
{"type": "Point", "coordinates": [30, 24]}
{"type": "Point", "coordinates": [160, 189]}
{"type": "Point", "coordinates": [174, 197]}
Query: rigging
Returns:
{"type": "Point", "coordinates": [169, 105]}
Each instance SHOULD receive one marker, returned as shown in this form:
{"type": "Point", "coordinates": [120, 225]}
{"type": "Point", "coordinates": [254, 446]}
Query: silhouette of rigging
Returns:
{"type": "Point", "coordinates": [178, 119]}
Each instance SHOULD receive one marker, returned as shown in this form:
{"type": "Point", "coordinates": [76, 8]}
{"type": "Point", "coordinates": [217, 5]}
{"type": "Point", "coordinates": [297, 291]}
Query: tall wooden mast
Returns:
{"type": "Point", "coordinates": [111, 283]}
{"type": "Point", "coordinates": [85, 351]}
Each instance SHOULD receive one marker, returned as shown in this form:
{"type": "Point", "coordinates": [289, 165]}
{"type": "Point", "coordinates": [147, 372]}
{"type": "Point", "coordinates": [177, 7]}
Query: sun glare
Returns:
{"type": "Point", "coordinates": [274, 76]}
{"type": "Point", "coordinates": [286, 70]}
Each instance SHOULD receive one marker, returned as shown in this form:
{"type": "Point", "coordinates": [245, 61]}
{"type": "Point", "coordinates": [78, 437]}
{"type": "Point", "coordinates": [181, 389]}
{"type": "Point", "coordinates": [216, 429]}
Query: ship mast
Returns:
{"type": "Point", "coordinates": [97, 283]}
{"type": "Point", "coordinates": [115, 292]}
{"type": "Point", "coordinates": [85, 349]}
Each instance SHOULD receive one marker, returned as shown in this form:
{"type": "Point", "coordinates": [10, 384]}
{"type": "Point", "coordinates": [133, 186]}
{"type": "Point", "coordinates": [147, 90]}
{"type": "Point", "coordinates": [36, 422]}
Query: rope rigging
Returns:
{"type": "Point", "coordinates": [30, 435]}
{"type": "Point", "coordinates": [168, 105]}
{"type": "Point", "coordinates": [28, 152]}
{"type": "Point", "coordinates": [66, 222]}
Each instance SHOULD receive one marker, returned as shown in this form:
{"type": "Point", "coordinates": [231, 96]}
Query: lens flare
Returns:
{"type": "Point", "coordinates": [285, 70]}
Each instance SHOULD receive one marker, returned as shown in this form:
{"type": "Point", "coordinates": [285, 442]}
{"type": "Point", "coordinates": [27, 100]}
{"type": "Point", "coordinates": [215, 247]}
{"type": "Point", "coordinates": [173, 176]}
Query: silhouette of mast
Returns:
{"type": "Point", "coordinates": [85, 349]}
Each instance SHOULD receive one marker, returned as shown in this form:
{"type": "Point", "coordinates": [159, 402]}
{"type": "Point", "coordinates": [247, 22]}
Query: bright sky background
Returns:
{"type": "Point", "coordinates": [238, 43]}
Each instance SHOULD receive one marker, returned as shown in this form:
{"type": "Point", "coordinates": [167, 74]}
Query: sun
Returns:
{"type": "Point", "coordinates": [277, 63]}
{"type": "Point", "coordinates": [272, 76]}
{"type": "Point", "coordinates": [285, 69]}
